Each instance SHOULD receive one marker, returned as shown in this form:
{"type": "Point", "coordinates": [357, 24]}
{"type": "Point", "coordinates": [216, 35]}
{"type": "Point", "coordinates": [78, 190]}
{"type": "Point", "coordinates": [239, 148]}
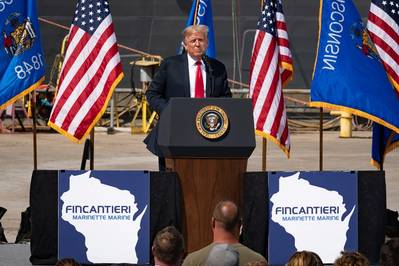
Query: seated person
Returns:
{"type": "Point", "coordinates": [168, 247]}
{"type": "Point", "coordinates": [389, 255]}
{"type": "Point", "coordinates": [44, 106]}
{"type": "Point", "coordinates": [226, 225]}
{"type": "Point", "coordinates": [351, 259]}
{"type": "Point", "coordinates": [304, 258]}
{"type": "Point", "coordinates": [222, 255]}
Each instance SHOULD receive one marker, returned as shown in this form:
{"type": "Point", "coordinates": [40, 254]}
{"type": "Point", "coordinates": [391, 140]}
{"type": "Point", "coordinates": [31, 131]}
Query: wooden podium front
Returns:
{"type": "Point", "coordinates": [210, 169]}
{"type": "Point", "coordinates": [204, 183]}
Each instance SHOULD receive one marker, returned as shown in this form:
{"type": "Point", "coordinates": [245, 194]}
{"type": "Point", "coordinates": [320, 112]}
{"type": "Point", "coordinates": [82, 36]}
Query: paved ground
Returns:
{"type": "Point", "coordinates": [125, 151]}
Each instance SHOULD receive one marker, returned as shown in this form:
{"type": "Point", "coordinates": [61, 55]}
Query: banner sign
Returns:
{"type": "Point", "coordinates": [21, 56]}
{"type": "Point", "coordinates": [314, 211]}
{"type": "Point", "coordinates": [103, 216]}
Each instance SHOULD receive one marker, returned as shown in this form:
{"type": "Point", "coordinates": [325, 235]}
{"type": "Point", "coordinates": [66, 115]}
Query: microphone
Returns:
{"type": "Point", "coordinates": [209, 67]}
{"type": "Point", "coordinates": [205, 58]}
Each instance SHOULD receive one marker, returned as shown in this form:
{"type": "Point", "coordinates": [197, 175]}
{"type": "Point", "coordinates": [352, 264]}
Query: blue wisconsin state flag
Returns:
{"type": "Point", "coordinates": [21, 55]}
{"type": "Point", "coordinates": [348, 74]}
{"type": "Point", "coordinates": [201, 13]}
{"type": "Point", "coordinates": [384, 141]}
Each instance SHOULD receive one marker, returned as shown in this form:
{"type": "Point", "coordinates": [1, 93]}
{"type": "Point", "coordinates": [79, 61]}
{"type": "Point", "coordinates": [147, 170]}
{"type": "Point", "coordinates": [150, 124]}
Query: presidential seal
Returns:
{"type": "Point", "coordinates": [212, 122]}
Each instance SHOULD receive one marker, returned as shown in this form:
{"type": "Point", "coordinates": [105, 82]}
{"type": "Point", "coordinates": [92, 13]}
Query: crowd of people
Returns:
{"type": "Point", "coordinates": [225, 249]}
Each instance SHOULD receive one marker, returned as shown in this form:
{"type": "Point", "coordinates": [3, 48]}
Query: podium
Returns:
{"type": "Point", "coordinates": [210, 166]}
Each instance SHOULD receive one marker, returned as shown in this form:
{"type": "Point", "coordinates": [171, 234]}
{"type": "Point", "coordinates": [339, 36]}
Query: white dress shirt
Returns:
{"type": "Point", "coordinates": [192, 70]}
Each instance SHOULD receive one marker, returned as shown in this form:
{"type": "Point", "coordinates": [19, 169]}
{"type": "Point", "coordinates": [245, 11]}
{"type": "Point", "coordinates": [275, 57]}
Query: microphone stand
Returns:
{"type": "Point", "coordinates": [210, 70]}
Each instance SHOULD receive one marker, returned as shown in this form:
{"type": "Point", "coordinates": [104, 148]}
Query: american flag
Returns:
{"type": "Point", "coordinates": [383, 28]}
{"type": "Point", "coordinates": [384, 31]}
{"type": "Point", "coordinates": [90, 72]}
{"type": "Point", "coordinates": [270, 68]}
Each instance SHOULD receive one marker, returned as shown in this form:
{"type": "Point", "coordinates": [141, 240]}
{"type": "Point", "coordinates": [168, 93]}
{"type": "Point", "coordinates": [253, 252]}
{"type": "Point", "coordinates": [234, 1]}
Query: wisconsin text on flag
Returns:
{"type": "Point", "coordinates": [270, 68]}
{"type": "Point", "coordinates": [384, 31]}
{"type": "Point", "coordinates": [348, 73]}
{"type": "Point", "coordinates": [90, 72]}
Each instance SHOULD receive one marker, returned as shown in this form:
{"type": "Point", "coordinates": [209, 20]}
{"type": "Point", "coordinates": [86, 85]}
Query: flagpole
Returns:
{"type": "Point", "coordinates": [33, 108]}
{"type": "Point", "coordinates": [321, 140]}
{"type": "Point", "coordinates": [92, 149]}
{"type": "Point", "coordinates": [264, 151]}
{"type": "Point", "coordinates": [264, 140]}
{"type": "Point", "coordinates": [382, 150]}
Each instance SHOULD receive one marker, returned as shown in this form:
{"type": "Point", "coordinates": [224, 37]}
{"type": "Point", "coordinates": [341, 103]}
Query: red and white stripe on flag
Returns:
{"type": "Point", "coordinates": [270, 68]}
{"type": "Point", "coordinates": [383, 28]}
{"type": "Point", "coordinates": [90, 72]}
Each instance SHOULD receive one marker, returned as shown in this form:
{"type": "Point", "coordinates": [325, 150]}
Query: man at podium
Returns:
{"type": "Point", "coordinates": [191, 74]}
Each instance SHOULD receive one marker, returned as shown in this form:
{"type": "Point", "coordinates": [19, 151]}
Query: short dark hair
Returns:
{"type": "Point", "coordinates": [227, 214]}
{"type": "Point", "coordinates": [168, 245]}
{"type": "Point", "coordinates": [305, 257]}
{"type": "Point", "coordinates": [389, 255]}
{"type": "Point", "coordinates": [67, 262]}
{"type": "Point", "coordinates": [351, 259]}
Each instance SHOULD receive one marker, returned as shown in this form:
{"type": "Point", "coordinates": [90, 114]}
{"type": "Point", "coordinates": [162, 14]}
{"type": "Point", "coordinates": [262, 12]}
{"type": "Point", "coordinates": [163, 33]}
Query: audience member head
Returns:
{"type": "Point", "coordinates": [222, 255]}
{"type": "Point", "coordinates": [67, 262]}
{"type": "Point", "coordinates": [195, 40]}
{"type": "Point", "coordinates": [351, 259]}
{"type": "Point", "coordinates": [304, 258]}
{"type": "Point", "coordinates": [226, 216]}
{"type": "Point", "coordinates": [389, 255]}
{"type": "Point", "coordinates": [168, 247]}
{"type": "Point", "coordinates": [256, 263]}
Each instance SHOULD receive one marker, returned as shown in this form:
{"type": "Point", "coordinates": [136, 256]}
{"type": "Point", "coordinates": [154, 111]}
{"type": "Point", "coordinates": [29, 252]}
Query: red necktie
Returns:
{"type": "Point", "coordinates": [199, 83]}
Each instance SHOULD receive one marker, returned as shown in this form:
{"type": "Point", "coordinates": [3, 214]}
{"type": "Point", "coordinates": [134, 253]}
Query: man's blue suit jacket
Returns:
{"type": "Point", "coordinates": [172, 80]}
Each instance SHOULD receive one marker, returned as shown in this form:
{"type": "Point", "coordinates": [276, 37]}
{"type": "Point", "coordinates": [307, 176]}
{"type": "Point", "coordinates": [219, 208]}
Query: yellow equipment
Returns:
{"type": "Point", "coordinates": [147, 69]}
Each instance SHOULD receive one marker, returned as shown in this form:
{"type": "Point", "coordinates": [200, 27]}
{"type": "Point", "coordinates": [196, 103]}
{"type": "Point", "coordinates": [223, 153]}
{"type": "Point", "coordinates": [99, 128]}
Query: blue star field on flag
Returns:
{"type": "Point", "coordinates": [90, 13]}
{"type": "Point", "coordinates": [267, 21]}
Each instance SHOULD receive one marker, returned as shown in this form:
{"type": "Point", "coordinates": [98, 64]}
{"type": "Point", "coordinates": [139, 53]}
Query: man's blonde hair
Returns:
{"type": "Point", "coordinates": [195, 28]}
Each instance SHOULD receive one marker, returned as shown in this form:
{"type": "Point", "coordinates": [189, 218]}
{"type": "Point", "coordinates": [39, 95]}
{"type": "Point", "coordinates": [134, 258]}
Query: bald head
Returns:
{"type": "Point", "coordinates": [226, 215]}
